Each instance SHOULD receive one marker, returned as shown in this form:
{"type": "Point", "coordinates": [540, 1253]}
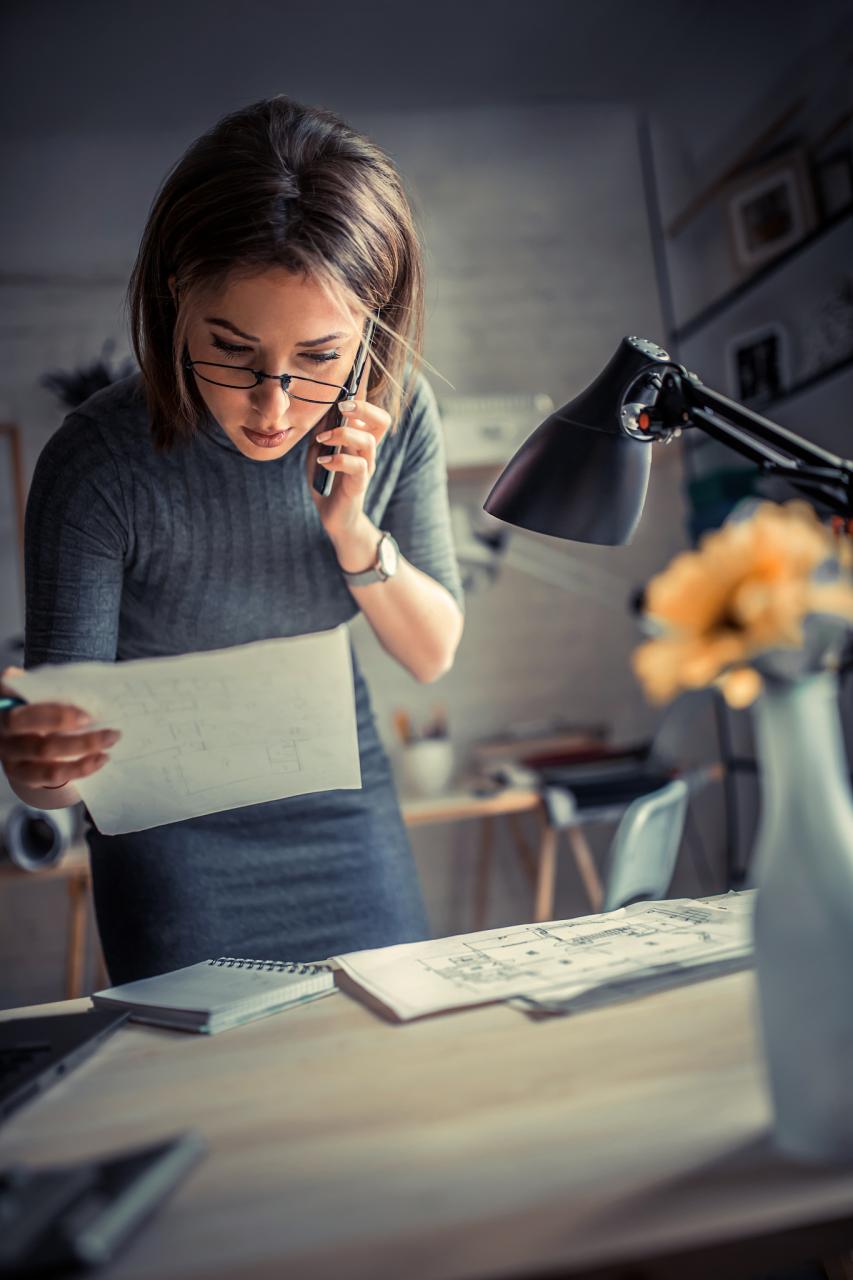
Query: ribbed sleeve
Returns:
{"type": "Point", "coordinates": [76, 541]}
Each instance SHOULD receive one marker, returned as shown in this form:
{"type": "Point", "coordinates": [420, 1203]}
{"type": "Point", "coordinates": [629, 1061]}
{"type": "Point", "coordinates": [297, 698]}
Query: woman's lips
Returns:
{"type": "Point", "coordinates": [266, 439]}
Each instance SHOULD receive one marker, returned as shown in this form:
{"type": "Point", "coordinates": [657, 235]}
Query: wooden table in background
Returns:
{"type": "Point", "coordinates": [73, 868]}
{"type": "Point", "coordinates": [630, 1140]}
{"type": "Point", "coordinates": [540, 864]}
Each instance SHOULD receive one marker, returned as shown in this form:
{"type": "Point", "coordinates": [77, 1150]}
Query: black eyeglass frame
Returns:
{"type": "Point", "coordinates": [344, 392]}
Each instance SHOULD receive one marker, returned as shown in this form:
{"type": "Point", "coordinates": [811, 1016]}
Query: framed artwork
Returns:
{"type": "Point", "coordinates": [759, 364]}
{"type": "Point", "coordinates": [769, 210]}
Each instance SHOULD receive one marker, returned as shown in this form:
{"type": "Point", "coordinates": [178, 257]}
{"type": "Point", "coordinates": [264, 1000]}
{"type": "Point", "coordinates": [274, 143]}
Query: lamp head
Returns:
{"type": "Point", "coordinates": [583, 474]}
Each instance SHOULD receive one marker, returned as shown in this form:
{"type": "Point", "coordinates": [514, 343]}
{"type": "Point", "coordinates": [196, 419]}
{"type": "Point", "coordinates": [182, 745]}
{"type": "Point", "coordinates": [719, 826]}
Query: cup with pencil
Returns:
{"type": "Point", "coordinates": [427, 754]}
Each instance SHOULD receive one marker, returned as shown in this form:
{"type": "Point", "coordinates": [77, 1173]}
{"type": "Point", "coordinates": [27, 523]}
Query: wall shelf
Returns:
{"type": "Point", "coordinates": [721, 304]}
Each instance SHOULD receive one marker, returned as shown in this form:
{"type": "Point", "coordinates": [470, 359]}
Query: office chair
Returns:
{"type": "Point", "coordinates": [645, 846]}
{"type": "Point", "coordinates": [651, 810]}
{"type": "Point", "coordinates": [601, 785]}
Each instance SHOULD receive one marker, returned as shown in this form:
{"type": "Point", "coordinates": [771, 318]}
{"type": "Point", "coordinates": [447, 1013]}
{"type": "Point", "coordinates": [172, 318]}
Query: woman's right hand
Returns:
{"type": "Point", "coordinates": [41, 743]}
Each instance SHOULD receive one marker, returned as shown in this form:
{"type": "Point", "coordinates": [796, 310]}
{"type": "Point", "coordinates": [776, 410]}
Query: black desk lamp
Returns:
{"type": "Point", "coordinates": [583, 474]}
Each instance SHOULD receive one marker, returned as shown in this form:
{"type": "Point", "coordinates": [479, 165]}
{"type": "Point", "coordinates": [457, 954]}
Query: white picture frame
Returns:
{"type": "Point", "coordinates": [770, 210]}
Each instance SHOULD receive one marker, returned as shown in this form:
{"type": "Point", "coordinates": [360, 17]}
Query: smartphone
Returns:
{"type": "Point", "coordinates": [323, 478]}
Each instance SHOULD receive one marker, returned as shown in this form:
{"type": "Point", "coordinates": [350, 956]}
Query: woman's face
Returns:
{"type": "Point", "coordinates": [286, 324]}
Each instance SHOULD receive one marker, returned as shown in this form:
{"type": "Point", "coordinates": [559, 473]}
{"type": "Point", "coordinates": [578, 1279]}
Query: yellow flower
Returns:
{"type": "Point", "coordinates": [746, 590]}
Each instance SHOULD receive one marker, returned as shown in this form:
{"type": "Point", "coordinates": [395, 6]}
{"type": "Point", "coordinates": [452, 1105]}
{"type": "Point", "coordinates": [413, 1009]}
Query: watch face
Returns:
{"type": "Point", "coordinates": [388, 555]}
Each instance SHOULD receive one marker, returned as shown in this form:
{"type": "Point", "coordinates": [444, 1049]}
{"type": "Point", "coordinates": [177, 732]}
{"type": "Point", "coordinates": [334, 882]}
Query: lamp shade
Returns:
{"type": "Point", "coordinates": [581, 475]}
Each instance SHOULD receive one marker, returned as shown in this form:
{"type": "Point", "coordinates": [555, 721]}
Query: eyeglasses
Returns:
{"type": "Point", "coordinates": [243, 379]}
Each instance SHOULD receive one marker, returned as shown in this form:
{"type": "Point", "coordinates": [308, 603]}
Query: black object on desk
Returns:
{"type": "Point", "coordinates": [63, 1218]}
{"type": "Point", "coordinates": [593, 788]}
{"type": "Point", "coordinates": [36, 1052]}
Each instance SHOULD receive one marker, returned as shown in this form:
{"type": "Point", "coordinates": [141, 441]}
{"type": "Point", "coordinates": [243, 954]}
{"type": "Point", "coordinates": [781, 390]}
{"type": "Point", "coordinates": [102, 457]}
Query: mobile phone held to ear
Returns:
{"type": "Point", "coordinates": [324, 479]}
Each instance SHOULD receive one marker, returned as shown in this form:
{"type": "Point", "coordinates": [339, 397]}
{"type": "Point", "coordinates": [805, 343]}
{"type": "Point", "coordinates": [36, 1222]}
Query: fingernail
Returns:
{"type": "Point", "coordinates": [324, 435]}
{"type": "Point", "coordinates": [347, 406]}
{"type": "Point", "coordinates": [83, 719]}
{"type": "Point", "coordinates": [326, 457]}
{"type": "Point", "coordinates": [113, 736]}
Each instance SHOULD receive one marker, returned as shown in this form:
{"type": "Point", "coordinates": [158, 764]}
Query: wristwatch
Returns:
{"type": "Point", "coordinates": [385, 566]}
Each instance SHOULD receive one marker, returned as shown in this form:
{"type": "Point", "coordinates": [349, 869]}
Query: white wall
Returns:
{"type": "Point", "coordinates": [538, 265]}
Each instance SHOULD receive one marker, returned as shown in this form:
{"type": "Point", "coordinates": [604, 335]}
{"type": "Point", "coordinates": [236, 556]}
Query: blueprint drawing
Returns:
{"type": "Point", "coordinates": [555, 961]}
{"type": "Point", "coordinates": [214, 730]}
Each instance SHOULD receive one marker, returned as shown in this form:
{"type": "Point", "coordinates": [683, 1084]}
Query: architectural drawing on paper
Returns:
{"type": "Point", "coordinates": [556, 964]}
{"type": "Point", "coordinates": [199, 753]}
{"type": "Point", "coordinates": [213, 730]}
{"type": "Point", "coordinates": [540, 955]}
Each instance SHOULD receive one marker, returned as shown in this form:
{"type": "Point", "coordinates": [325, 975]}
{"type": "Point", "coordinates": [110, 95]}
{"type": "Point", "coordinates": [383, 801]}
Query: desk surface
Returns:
{"type": "Point", "coordinates": [471, 1145]}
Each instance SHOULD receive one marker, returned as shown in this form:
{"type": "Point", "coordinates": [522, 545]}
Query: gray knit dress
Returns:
{"type": "Point", "coordinates": [131, 553]}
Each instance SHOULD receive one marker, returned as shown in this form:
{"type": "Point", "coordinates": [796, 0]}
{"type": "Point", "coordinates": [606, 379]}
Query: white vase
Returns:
{"type": "Point", "coordinates": [803, 869]}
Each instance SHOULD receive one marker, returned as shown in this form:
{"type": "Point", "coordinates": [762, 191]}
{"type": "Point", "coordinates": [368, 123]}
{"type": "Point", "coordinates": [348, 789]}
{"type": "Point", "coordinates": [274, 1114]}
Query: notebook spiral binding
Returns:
{"type": "Point", "coordinates": [268, 966]}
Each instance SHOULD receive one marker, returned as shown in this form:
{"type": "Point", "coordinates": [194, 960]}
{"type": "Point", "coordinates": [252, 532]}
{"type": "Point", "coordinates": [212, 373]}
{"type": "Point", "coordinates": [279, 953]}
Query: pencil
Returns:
{"type": "Point", "coordinates": [403, 725]}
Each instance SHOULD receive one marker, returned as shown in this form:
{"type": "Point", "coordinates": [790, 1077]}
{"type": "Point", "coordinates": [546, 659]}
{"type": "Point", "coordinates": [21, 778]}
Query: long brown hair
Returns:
{"type": "Point", "coordinates": [275, 184]}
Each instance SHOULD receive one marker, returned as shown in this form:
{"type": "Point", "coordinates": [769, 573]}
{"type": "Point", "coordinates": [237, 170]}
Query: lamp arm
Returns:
{"type": "Point", "coordinates": [739, 440]}
{"type": "Point", "coordinates": [684, 401]}
{"type": "Point", "coordinates": [698, 396]}
{"type": "Point", "coordinates": [823, 484]}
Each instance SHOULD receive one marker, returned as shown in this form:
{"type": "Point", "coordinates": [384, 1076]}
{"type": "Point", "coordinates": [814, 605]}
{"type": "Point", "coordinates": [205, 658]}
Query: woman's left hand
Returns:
{"type": "Point", "coordinates": [364, 426]}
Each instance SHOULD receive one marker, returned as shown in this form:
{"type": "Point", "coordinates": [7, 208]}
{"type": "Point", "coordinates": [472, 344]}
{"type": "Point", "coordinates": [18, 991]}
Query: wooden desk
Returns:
{"type": "Point", "coordinates": [478, 1144]}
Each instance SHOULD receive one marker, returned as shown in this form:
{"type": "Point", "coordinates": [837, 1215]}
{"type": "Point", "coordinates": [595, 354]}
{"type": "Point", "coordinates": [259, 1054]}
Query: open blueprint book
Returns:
{"type": "Point", "coordinates": [563, 965]}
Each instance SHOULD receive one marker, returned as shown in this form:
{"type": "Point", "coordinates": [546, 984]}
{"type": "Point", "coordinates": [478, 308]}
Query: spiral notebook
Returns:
{"type": "Point", "coordinates": [216, 994]}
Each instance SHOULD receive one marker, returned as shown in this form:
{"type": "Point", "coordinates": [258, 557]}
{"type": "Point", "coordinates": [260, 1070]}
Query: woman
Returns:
{"type": "Point", "coordinates": [176, 511]}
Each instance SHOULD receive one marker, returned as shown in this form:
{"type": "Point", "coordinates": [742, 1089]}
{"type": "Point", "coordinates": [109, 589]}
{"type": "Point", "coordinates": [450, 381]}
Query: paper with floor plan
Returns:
{"type": "Point", "coordinates": [220, 729]}
{"type": "Point", "coordinates": [563, 960]}
{"type": "Point", "coordinates": [631, 986]}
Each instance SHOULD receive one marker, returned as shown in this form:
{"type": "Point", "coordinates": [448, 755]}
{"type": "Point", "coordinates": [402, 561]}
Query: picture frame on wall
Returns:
{"type": "Point", "coordinates": [758, 364]}
{"type": "Point", "coordinates": [770, 209]}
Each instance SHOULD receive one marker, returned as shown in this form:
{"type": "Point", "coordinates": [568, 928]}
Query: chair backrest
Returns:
{"type": "Point", "coordinates": [645, 846]}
